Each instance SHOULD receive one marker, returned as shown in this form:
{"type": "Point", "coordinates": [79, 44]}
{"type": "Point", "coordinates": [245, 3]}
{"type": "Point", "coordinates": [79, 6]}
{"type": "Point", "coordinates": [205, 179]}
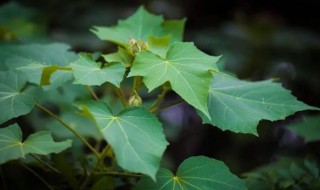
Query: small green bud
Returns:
{"type": "Point", "coordinates": [135, 100]}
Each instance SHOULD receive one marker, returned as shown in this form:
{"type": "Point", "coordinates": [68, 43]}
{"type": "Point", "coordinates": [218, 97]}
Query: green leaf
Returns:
{"type": "Point", "coordinates": [16, 97]}
{"type": "Point", "coordinates": [88, 72]}
{"type": "Point", "coordinates": [138, 26]}
{"type": "Point", "coordinates": [48, 71]}
{"type": "Point", "coordinates": [174, 28]}
{"type": "Point", "coordinates": [185, 67]}
{"type": "Point", "coordinates": [158, 46]}
{"type": "Point", "coordinates": [195, 173]}
{"type": "Point", "coordinates": [12, 147]}
{"type": "Point", "coordinates": [308, 128]}
{"type": "Point", "coordinates": [121, 56]}
{"type": "Point", "coordinates": [135, 135]}
{"type": "Point", "coordinates": [32, 59]}
{"type": "Point", "coordinates": [238, 106]}
{"type": "Point", "coordinates": [83, 125]}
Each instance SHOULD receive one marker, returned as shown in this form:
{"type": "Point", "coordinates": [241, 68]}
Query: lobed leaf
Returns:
{"type": "Point", "coordinates": [33, 58]}
{"type": "Point", "coordinates": [238, 105]}
{"type": "Point", "coordinates": [138, 26]}
{"type": "Point", "coordinates": [134, 134]}
{"type": "Point", "coordinates": [185, 67]}
{"type": "Point", "coordinates": [16, 97]}
{"type": "Point", "coordinates": [195, 173]}
{"type": "Point", "coordinates": [12, 146]}
{"type": "Point", "coordinates": [88, 72]}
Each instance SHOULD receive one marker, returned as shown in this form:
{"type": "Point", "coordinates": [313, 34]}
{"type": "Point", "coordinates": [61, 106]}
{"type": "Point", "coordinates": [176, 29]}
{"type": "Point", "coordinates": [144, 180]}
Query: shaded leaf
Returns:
{"type": "Point", "coordinates": [185, 67]}
{"type": "Point", "coordinates": [194, 173]}
{"type": "Point", "coordinates": [238, 105]}
{"type": "Point", "coordinates": [83, 125]}
{"type": "Point", "coordinates": [18, 23]}
{"type": "Point", "coordinates": [308, 128]}
{"type": "Point", "coordinates": [134, 134]}
{"type": "Point", "coordinates": [138, 26]}
{"type": "Point", "coordinates": [31, 59]}
{"type": "Point", "coordinates": [88, 72]}
{"type": "Point", "coordinates": [12, 146]}
{"type": "Point", "coordinates": [16, 97]}
{"type": "Point", "coordinates": [159, 46]}
{"type": "Point", "coordinates": [174, 28]}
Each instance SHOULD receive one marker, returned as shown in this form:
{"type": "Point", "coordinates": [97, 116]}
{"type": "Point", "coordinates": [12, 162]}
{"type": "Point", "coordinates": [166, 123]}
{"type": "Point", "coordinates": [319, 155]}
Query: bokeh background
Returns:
{"type": "Point", "coordinates": [258, 40]}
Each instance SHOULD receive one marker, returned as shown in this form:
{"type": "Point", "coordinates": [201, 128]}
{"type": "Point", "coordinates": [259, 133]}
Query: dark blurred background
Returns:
{"type": "Point", "coordinates": [258, 39]}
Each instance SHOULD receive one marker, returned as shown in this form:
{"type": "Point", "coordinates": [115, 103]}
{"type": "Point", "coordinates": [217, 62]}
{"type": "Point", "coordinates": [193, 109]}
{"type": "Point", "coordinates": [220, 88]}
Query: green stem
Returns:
{"type": "Point", "coordinates": [69, 128]}
{"type": "Point", "coordinates": [99, 163]}
{"type": "Point", "coordinates": [38, 176]}
{"type": "Point", "coordinates": [119, 174]}
{"type": "Point", "coordinates": [121, 96]}
{"type": "Point", "coordinates": [168, 106]}
{"type": "Point", "coordinates": [160, 98]}
{"type": "Point", "coordinates": [45, 163]}
{"type": "Point", "coordinates": [136, 83]}
{"type": "Point", "coordinates": [94, 95]}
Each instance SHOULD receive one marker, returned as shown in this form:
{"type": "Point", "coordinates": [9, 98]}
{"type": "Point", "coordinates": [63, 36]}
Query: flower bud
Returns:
{"type": "Point", "coordinates": [135, 100]}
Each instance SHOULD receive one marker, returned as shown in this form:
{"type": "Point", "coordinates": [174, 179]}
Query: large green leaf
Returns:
{"type": "Point", "coordinates": [185, 67]}
{"type": "Point", "coordinates": [138, 26]}
{"type": "Point", "coordinates": [308, 128]}
{"type": "Point", "coordinates": [12, 146]}
{"type": "Point", "coordinates": [88, 72]}
{"type": "Point", "coordinates": [238, 105]}
{"type": "Point", "coordinates": [135, 135]}
{"type": "Point", "coordinates": [16, 97]}
{"type": "Point", "coordinates": [195, 173]}
{"type": "Point", "coordinates": [31, 59]}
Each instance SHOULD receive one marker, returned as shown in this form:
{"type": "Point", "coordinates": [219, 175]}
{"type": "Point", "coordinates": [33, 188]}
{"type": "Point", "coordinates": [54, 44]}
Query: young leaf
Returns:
{"type": "Point", "coordinates": [16, 97]}
{"type": "Point", "coordinates": [12, 146]}
{"type": "Point", "coordinates": [121, 56]}
{"type": "Point", "coordinates": [138, 26]}
{"type": "Point", "coordinates": [31, 59]}
{"type": "Point", "coordinates": [238, 106]}
{"type": "Point", "coordinates": [135, 135]}
{"type": "Point", "coordinates": [47, 73]}
{"type": "Point", "coordinates": [194, 173]}
{"type": "Point", "coordinates": [88, 72]}
{"type": "Point", "coordinates": [158, 46]}
{"type": "Point", "coordinates": [185, 67]}
{"type": "Point", "coordinates": [174, 28]}
{"type": "Point", "coordinates": [308, 128]}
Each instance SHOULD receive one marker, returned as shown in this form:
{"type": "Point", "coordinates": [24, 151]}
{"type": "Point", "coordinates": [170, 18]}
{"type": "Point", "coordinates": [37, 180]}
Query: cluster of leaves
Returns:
{"type": "Point", "coordinates": [286, 173]}
{"type": "Point", "coordinates": [151, 54]}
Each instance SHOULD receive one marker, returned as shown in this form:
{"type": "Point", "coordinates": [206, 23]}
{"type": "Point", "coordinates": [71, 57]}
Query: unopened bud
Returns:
{"type": "Point", "coordinates": [135, 100]}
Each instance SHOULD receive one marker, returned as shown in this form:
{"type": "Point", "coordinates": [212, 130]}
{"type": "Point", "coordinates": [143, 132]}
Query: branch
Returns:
{"type": "Point", "coordinates": [70, 129]}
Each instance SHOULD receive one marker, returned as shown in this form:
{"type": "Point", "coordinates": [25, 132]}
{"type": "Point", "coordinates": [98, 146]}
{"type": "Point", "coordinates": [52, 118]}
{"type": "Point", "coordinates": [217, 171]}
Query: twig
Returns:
{"type": "Point", "coordinates": [69, 128]}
